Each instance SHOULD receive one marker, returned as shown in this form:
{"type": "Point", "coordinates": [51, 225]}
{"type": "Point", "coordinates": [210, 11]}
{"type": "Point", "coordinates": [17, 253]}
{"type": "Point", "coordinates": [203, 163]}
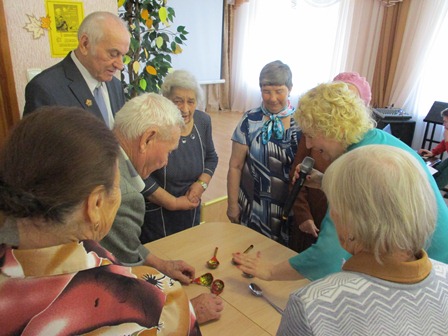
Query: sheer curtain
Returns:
{"type": "Point", "coordinates": [358, 37]}
{"type": "Point", "coordinates": [315, 39]}
{"type": "Point", "coordinates": [295, 32]}
{"type": "Point", "coordinates": [422, 72]}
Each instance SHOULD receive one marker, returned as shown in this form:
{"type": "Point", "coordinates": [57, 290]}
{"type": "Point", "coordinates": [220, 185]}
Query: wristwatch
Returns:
{"type": "Point", "coordinates": [203, 184]}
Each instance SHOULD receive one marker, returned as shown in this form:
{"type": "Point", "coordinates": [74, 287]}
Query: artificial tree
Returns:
{"type": "Point", "coordinates": [153, 41]}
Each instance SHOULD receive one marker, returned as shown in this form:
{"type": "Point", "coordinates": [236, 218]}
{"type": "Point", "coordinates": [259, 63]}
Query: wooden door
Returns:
{"type": "Point", "coordinates": [9, 108]}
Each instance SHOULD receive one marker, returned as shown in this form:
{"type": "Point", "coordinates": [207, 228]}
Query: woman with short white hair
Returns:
{"type": "Point", "coordinates": [384, 220]}
{"type": "Point", "coordinates": [173, 193]}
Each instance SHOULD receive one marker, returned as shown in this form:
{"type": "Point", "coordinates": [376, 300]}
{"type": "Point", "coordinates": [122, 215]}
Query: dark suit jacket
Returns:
{"type": "Point", "coordinates": [62, 84]}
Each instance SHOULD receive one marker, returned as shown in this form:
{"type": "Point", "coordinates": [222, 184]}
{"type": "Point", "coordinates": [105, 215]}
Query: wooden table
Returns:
{"type": "Point", "coordinates": [244, 313]}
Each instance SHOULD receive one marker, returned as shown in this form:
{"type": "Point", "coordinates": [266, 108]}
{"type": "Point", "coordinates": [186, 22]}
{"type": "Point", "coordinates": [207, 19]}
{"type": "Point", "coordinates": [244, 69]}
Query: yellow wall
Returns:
{"type": "Point", "coordinates": [27, 52]}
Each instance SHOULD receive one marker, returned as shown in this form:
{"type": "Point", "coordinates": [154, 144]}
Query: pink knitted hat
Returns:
{"type": "Point", "coordinates": [360, 82]}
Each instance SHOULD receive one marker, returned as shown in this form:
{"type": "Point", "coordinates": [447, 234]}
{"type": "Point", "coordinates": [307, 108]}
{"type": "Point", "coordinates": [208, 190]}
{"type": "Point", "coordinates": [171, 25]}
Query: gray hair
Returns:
{"type": "Point", "coordinates": [444, 113]}
{"type": "Point", "coordinates": [93, 25]}
{"type": "Point", "coordinates": [184, 80]}
{"type": "Point", "coordinates": [384, 197]}
{"type": "Point", "coordinates": [145, 111]}
{"type": "Point", "coordinates": [276, 73]}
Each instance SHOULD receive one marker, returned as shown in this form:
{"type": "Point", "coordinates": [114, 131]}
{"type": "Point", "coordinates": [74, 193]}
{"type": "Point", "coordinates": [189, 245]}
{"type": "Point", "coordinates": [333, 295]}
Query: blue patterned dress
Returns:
{"type": "Point", "coordinates": [265, 176]}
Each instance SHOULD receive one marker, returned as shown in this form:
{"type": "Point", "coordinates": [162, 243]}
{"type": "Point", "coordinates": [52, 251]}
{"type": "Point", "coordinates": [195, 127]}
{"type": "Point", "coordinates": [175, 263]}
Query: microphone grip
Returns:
{"type": "Point", "coordinates": [293, 195]}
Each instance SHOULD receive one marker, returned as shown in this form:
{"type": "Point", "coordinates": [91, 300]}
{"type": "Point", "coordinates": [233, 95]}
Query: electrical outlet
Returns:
{"type": "Point", "coordinates": [30, 73]}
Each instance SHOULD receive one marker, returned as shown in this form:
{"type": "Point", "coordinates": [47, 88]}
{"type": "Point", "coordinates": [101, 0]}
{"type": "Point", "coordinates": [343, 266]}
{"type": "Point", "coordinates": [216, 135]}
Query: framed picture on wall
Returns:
{"type": "Point", "coordinates": [65, 16]}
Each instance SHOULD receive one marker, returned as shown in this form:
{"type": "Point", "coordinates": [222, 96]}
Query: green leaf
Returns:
{"type": "Point", "coordinates": [143, 84]}
{"type": "Point", "coordinates": [126, 59]}
{"type": "Point", "coordinates": [165, 36]}
{"type": "Point", "coordinates": [152, 35]}
{"type": "Point", "coordinates": [134, 44]}
{"type": "Point", "coordinates": [163, 14]}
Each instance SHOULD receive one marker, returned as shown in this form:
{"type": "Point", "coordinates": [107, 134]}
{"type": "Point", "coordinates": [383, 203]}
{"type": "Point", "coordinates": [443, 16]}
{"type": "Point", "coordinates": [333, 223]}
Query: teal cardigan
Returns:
{"type": "Point", "coordinates": [327, 255]}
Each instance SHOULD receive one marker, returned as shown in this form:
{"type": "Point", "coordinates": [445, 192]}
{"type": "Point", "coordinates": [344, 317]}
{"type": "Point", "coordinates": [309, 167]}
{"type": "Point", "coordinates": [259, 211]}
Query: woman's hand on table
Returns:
{"type": "Point", "coordinates": [207, 307]}
{"type": "Point", "coordinates": [253, 265]}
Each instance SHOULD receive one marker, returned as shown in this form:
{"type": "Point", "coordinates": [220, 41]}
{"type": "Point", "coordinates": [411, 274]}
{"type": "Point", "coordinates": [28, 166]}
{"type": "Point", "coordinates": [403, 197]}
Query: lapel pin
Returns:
{"type": "Point", "coordinates": [88, 102]}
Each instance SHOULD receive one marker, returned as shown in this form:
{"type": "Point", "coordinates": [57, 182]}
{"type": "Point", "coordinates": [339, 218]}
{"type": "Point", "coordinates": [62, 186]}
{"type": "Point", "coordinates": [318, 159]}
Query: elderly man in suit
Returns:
{"type": "Point", "coordinates": [85, 77]}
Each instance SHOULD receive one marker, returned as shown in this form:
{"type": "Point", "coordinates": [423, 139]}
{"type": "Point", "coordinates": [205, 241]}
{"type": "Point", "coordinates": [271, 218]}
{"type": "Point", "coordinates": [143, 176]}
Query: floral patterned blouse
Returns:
{"type": "Point", "coordinates": [81, 288]}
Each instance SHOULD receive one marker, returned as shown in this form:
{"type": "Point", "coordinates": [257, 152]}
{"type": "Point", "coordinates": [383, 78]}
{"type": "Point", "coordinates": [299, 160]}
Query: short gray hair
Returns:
{"type": "Point", "coordinates": [276, 73]}
{"type": "Point", "coordinates": [145, 111]}
{"type": "Point", "coordinates": [184, 80]}
{"type": "Point", "coordinates": [93, 25]}
{"type": "Point", "coordinates": [383, 194]}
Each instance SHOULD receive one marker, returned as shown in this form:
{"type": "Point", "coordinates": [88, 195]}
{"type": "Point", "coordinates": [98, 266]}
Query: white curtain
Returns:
{"type": "Point", "coordinates": [295, 32]}
{"type": "Point", "coordinates": [360, 29]}
{"type": "Point", "coordinates": [317, 42]}
{"type": "Point", "coordinates": [421, 76]}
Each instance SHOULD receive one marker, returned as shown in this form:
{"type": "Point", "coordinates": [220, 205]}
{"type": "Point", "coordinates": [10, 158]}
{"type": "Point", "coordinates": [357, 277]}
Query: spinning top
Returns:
{"type": "Point", "coordinates": [217, 287]}
{"type": "Point", "coordinates": [204, 280]}
{"type": "Point", "coordinates": [213, 262]}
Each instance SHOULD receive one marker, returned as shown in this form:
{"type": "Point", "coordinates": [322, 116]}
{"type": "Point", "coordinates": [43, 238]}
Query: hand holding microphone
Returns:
{"type": "Point", "coordinates": [305, 169]}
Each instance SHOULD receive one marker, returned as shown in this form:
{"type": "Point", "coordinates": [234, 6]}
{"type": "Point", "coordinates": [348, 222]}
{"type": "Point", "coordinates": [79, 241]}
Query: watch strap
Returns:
{"type": "Point", "coordinates": [203, 184]}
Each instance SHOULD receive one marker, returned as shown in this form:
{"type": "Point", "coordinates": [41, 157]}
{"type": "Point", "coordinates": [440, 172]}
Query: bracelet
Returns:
{"type": "Point", "coordinates": [203, 184]}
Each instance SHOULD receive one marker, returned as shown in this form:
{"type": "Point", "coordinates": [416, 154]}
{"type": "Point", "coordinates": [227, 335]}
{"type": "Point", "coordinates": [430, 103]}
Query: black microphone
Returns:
{"type": "Point", "coordinates": [305, 169]}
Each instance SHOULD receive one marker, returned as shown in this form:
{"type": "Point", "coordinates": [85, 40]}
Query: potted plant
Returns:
{"type": "Point", "coordinates": [153, 41]}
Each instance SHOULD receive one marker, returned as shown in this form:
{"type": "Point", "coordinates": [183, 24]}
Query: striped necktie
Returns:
{"type": "Point", "coordinates": [98, 95]}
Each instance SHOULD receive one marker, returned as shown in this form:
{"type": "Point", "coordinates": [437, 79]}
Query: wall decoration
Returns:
{"type": "Point", "coordinates": [66, 16]}
{"type": "Point", "coordinates": [37, 26]}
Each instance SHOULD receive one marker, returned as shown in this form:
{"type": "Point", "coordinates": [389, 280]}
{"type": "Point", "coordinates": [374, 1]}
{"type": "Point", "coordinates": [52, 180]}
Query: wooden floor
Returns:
{"type": "Point", "coordinates": [223, 125]}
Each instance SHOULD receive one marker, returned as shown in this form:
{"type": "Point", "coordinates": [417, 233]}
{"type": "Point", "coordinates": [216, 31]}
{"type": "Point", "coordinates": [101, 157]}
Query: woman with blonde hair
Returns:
{"type": "Point", "coordinates": [310, 205]}
{"type": "Point", "coordinates": [334, 120]}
